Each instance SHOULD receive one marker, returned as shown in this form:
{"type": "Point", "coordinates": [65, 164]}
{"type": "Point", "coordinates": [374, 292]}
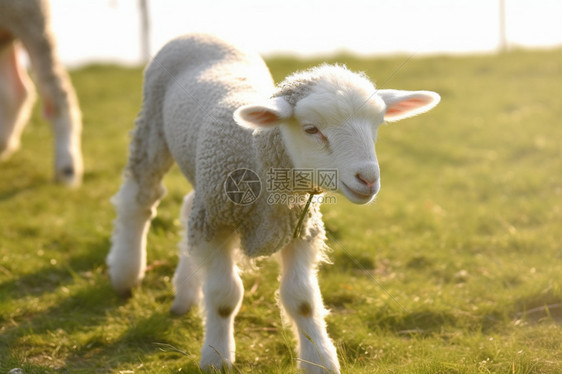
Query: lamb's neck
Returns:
{"type": "Point", "coordinates": [271, 151]}
{"type": "Point", "coordinates": [273, 161]}
{"type": "Point", "coordinates": [272, 220]}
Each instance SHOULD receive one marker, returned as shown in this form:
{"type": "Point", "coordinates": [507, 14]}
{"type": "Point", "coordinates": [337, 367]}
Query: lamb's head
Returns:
{"type": "Point", "coordinates": [329, 118]}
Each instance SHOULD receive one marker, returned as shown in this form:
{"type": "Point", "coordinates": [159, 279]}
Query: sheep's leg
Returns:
{"type": "Point", "coordinates": [136, 203]}
{"type": "Point", "coordinates": [223, 291]}
{"type": "Point", "coordinates": [127, 258]}
{"type": "Point", "coordinates": [301, 299]}
{"type": "Point", "coordinates": [60, 102]}
{"type": "Point", "coordinates": [16, 97]}
{"type": "Point", "coordinates": [186, 278]}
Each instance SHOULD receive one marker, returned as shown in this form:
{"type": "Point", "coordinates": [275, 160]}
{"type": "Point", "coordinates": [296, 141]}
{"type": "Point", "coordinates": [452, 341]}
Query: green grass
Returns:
{"type": "Point", "coordinates": [455, 269]}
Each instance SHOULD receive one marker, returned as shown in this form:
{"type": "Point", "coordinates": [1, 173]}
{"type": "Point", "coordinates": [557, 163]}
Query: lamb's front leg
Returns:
{"type": "Point", "coordinates": [60, 102]}
{"type": "Point", "coordinates": [301, 298]}
{"type": "Point", "coordinates": [222, 291]}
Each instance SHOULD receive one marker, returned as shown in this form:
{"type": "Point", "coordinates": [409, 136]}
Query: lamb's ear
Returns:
{"type": "Point", "coordinates": [263, 115]}
{"type": "Point", "coordinates": [404, 104]}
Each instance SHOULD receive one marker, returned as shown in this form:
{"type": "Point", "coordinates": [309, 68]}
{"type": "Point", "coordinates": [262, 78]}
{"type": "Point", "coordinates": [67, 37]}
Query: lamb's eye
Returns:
{"type": "Point", "coordinates": [312, 130]}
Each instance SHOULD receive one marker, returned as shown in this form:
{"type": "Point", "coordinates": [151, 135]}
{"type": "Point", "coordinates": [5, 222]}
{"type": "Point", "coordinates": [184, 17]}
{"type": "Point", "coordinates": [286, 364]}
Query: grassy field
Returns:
{"type": "Point", "coordinates": [456, 268]}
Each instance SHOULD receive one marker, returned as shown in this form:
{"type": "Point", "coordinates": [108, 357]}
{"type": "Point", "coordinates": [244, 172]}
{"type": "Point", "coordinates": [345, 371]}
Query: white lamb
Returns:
{"type": "Point", "coordinates": [29, 22]}
{"type": "Point", "coordinates": [213, 109]}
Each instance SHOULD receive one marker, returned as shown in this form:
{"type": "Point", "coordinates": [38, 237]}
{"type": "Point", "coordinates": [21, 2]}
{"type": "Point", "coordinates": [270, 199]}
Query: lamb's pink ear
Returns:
{"type": "Point", "coordinates": [263, 115]}
{"type": "Point", "coordinates": [404, 104]}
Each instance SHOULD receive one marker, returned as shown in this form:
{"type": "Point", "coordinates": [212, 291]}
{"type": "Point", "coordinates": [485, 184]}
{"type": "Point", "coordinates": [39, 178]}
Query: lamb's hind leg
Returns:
{"type": "Point", "coordinates": [16, 96]}
{"type": "Point", "coordinates": [187, 282]}
{"type": "Point", "coordinates": [136, 203]}
{"type": "Point", "coordinates": [300, 296]}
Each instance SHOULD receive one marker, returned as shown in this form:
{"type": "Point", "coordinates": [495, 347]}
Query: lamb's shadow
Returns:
{"type": "Point", "coordinates": [81, 309]}
{"type": "Point", "coordinates": [51, 277]}
{"type": "Point", "coordinates": [143, 337]}
{"type": "Point", "coordinates": [90, 302]}
{"type": "Point", "coordinates": [28, 187]}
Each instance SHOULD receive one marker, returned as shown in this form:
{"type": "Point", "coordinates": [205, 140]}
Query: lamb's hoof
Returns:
{"type": "Point", "coordinates": [125, 294]}
{"type": "Point", "coordinates": [122, 291]}
{"type": "Point", "coordinates": [179, 309]}
{"type": "Point", "coordinates": [68, 177]}
{"type": "Point", "coordinates": [216, 359]}
{"type": "Point", "coordinates": [183, 302]}
{"type": "Point", "coordinates": [220, 366]}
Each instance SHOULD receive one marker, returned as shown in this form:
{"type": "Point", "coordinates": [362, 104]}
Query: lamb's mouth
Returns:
{"type": "Point", "coordinates": [356, 194]}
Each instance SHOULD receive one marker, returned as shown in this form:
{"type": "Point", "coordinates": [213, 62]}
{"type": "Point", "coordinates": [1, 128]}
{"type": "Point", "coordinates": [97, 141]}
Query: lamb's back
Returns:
{"type": "Point", "coordinates": [201, 80]}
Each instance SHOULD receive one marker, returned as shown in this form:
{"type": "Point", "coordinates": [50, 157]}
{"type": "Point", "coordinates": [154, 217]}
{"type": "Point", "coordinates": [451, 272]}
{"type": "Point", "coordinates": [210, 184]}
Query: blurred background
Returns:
{"type": "Point", "coordinates": [114, 30]}
{"type": "Point", "coordinates": [456, 267]}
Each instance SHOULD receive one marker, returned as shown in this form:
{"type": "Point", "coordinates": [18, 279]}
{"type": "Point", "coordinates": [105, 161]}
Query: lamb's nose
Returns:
{"type": "Point", "coordinates": [369, 182]}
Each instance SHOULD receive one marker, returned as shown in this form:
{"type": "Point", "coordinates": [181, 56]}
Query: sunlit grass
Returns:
{"type": "Point", "coordinates": [454, 269]}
